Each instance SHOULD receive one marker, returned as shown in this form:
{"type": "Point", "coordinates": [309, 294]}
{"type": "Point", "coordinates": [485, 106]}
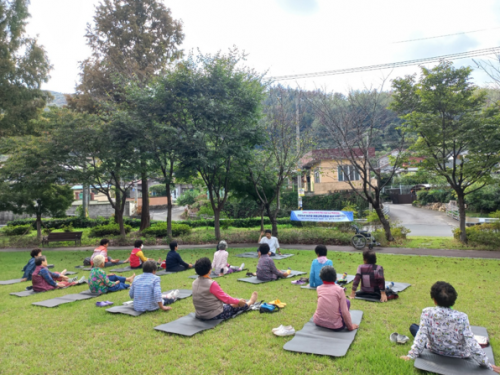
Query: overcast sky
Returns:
{"type": "Point", "coordinates": [292, 36]}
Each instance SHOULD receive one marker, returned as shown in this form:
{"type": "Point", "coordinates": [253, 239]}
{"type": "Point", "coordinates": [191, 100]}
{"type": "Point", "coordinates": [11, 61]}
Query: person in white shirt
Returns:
{"type": "Point", "coordinates": [265, 237]}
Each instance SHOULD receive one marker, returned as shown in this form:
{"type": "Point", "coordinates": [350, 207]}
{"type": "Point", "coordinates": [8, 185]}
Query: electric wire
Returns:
{"type": "Point", "coordinates": [446, 35]}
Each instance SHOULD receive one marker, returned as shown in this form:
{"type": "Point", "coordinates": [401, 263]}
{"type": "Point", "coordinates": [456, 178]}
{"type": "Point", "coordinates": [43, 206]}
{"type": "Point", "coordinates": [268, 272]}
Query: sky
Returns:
{"type": "Point", "coordinates": [283, 37]}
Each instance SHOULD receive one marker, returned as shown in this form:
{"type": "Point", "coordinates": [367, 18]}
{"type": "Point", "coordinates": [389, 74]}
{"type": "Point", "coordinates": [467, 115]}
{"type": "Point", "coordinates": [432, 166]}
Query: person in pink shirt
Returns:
{"type": "Point", "coordinates": [209, 300]}
{"type": "Point", "coordinates": [333, 306]}
{"type": "Point", "coordinates": [220, 265]}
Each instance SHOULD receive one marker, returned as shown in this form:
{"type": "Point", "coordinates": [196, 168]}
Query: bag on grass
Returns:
{"type": "Point", "coordinates": [391, 294]}
{"type": "Point", "coordinates": [86, 261]}
{"type": "Point", "coordinates": [267, 308]}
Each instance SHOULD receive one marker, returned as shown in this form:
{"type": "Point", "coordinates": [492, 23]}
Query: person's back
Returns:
{"type": "Point", "coordinates": [265, 268]}
{"type": "Point", "coordinates": [146, 292]}
{"type": "Point", "coordinates": [219, 264]}
{"type": "Point", "coordinates": [317, 264]}
{"type": "Point", "coordinates": [206, 304]}
{"type": "Point", "coordinates": [371, 277]}
{"type": "Point", "coordinates": [39, 282]}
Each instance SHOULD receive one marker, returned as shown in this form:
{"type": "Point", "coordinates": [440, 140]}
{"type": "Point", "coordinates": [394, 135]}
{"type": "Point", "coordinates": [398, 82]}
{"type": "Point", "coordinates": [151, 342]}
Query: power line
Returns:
{"type": "Point", "coordinates": [446, 35]}
{"type": "Point", "coordinates": [455, 56]}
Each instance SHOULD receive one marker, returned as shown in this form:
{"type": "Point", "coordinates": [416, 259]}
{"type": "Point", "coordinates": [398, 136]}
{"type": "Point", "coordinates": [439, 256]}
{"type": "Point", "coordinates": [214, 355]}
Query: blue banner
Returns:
{"type": "Point", "coordinates": [322, 216]}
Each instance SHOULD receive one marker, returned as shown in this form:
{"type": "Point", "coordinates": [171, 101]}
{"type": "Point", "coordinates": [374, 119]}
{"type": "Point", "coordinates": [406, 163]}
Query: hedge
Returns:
{"type": "Point", "coordinates": [108, 230]}
{"type": "Point", "coordinates": [17, 230]}
{"type": "Point", "coordinates": [76, 222]}
{"type": "Point", "coordinates": [160, 230]}
{"type": "Point", "coordinates": [238, 223]}
{"type": "Point", "coordinates": [484, 234]}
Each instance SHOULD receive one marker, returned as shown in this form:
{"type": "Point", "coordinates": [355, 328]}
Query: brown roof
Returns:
{"type": "Point", "coordinates": [314, 156]}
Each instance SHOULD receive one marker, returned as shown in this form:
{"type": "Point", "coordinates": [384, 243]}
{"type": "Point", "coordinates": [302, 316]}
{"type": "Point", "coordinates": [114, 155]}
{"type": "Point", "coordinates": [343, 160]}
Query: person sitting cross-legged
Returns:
{"type": "Point", "coordinates": [445, 331]}
{"type": "Point", "coordinates": [317, 264]}
{"type": "Point", "coordinates": [137, 258]}
{"type": "Point", "coordinates": [174, 262]}
{"type": "Point", "coordinates": [209, 300]}
{"type": "Point", "coordinates": [146, 290]}
{"type": "Point", "coordinates": [44, 280]}
{"type": "Point", "coordinates": [29, 268]}
{"type": "Point", "coordinates": [266, 269]}
{"type": "Point", "coordinates": [220, 265]}
{"type": "Point", "coordinates": [101, 283]}
{"type": "Point", "coordinates": [372, 278]}
{"type": "Point", "coordinates": [333, 306]}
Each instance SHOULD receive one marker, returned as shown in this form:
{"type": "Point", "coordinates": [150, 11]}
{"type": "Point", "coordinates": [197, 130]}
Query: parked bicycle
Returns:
{"type": "Point", "coordinates": [363, 238]}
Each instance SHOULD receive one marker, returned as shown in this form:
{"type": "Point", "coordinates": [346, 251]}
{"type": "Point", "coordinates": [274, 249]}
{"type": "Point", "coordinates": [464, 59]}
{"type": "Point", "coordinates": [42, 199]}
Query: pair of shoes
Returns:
{"type": "Point", "coordinates": [301, 281]}
{"type": "Point", "coordinates": [103, 303]}
{"type": "Point", "coordinates": [73, 279]}
{"type": "Point", "coordinates": [397, 338]}
{"type": "Point", "coordinates": [284, 331]}
{"type": "Point", "coordinates": [82, 280]}
{"type": "Point", "coordinates": [172, 295]}
{"type": "Point", "coordinates": [278, 303]}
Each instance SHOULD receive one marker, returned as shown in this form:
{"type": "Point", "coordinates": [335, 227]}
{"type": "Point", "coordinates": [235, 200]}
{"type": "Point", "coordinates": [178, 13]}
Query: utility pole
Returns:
{"type": "Point", "coordinates": [297, 130]}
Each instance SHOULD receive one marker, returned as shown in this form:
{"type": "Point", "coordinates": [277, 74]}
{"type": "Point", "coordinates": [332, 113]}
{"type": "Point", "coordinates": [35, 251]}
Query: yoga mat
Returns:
{"type": "Point", "coordinates": [24, 293]}
{"type": "Point", "coordinates": [124, 269]}
{"type": "Point", "coordinates": [50, 266]}
{"type": "Point", "coordinates": [439, 364]}
{"type": "Point", "coordinates": [163, 273]}
{"type": "Point", "coordinates": [254, 254]}
{"type": "Point", "coordinates": [398, 287]}
{"type": "Point", "coordinates": [323, 341]}
{"type": "Point", "coordinates": [70, 273]}
{"type": "Point", "coordinates": [215, 275]}
{"type": "Point", "coordinates": [349, 278]}
{"type": "Point", "coordinates": [254, 280]}
{"type": "Point", "coordinates": [9, 282]}
{"type": "Point", "coordinates": [54, 302]}
{"type": "Point", "coordinates": [129, 310]}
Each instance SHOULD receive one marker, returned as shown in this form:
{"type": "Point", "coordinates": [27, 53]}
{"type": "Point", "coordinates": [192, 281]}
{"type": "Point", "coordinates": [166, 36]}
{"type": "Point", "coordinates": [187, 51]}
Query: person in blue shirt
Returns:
{"type": "Point", "coordinates": [317, 265]}
{"type": "Point", "coordinates": [174, 262]}
{"type": "Point", "coordinates": [30, 267]}
{"type": "Point", "coordinates": [146, 290]}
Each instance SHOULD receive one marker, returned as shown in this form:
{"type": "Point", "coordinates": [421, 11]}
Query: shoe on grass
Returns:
{"type": "Point", "coordinates": [101, 304]}
{"type": "Point", "coordinates": [394, 337]}
{"type": "Point", "coordinates": [285, 331]}
{"type": "Point", "coordinates": [401, 339]}
{"type": "Point", "coordinates": [298, 282]}
{"type": "Point", "coordinates": [242, 266]}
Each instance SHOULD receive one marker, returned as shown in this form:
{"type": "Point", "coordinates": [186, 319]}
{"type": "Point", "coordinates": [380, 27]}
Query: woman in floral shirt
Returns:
{"type": "Point", "coordinates": [445, 331]}
{"type": "Point", "coordinates": [100, 283]}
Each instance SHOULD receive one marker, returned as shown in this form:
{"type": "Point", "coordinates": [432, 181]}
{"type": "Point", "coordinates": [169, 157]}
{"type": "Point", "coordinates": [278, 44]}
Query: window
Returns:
{"type": "Point", "coordinates": [317, 176]}
{"type": "Point", "coordinates": [348, 173]}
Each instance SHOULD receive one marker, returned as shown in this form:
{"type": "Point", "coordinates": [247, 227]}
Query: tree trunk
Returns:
{"type": "Point", "coordinates": [261, 218]}
{"type": "Point", "coordinates": [119, 208]}
{"type": "Point", "coordinates": [461, 211]}
{"type": "Point", "coordinates": [145, 218]}
{"type": "Point", "coordinates": [385, 223]}
{"type": "Point", "coordinates": [169, 210]}
{"type": "Point", "coordinates": [39, 227]}
{"type": "Point", "coordinates": [217, 223]}
{"type": "Point", "coordinates": [272, 218]}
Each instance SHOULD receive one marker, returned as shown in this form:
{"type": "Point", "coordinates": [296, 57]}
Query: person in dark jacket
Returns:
{"type": "Point", "coordinates": [174, 261]}
{"type": "Point", "coordinates": [30, 267]}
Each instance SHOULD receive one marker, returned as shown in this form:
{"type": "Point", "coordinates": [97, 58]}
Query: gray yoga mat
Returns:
{"type": "Point", "coordinates": [163, 273]}
{"type": "Point", "coordinates": [124, 269]}
{"type": "Point", "coordinates": [215, 275]}
{"type": "Point", "coordinates": [439, 364]}
{"type": "Point", "coordinates": [10, 282]}
{"type": "Point", "coordinates": [129, 310]}
{"type": "Point", "coordinates": [349, 278]}
{"type": "Point", "coordinates": [254, 254]}
{"type": "Point", "coordinates": [54, 302]}
{"type": "Point", "coordinates": [24, 293]}
{"type": "Point", "coordinates": [323, 341]}
{"type": "Point", "coordinates": [254, 280]}
{"type": "Point", "coordinates": [398, 287]}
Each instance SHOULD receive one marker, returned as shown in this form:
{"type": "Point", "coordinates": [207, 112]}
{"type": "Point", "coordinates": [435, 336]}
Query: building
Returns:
{"type": "Point", "coordinates": [328, 171]}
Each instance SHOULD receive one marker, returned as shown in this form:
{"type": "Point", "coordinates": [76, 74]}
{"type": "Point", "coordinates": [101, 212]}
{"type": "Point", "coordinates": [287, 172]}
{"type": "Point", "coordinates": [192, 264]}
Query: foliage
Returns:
{"type": "Point", "coordinates": [484, 234]}
{"type": "Point", "coordinates": [187, 198]}
{"type": "Point", "coordinates": [485, 200]}
{"type": "Point", "coordinates": [457, 135]}
{"type": "Point", "coordinates": [25, 66]}
{"type": "Point", "coordinates": [333, 201]}
{"type": "Point", "coordinates": [109, 229]}
{"type": "Point", "coordinates": [434, 196]}
{"type": "Point", "coordinates": [239, 223]}
{"type": "Point", "coordinates": [17, 230]}
{"type": "Point", "coordinates": [75, 222]}
{"type": "Point", "coordinates": [160, 230]}
{"type": "Point", "coordinates": [158, 191]}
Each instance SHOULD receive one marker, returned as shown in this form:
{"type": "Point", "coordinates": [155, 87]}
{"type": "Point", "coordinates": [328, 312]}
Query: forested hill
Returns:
{"type": "Point", "coordinates": [59, 99]}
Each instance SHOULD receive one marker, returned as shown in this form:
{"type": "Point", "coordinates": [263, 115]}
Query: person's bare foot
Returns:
{"type": "Point", "coordinates": [131, 278]}
{"type": "Point", "coordinates": [253, 299]}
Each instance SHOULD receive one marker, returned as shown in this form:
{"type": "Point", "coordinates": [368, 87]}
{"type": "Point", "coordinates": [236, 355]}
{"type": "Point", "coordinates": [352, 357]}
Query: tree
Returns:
{"type": "Point", "coordinates": [457, 135]}
{"type": "Point", "coordinates": [223, 101]}
{"type": "Point", "coordinates": [353, 122]}
{"type": "Point", "coordinates": [131, 41]}
{"type": "Point", "coordinates": [274, 163]}
{"type": "Point", "coordinates": [24, 67]}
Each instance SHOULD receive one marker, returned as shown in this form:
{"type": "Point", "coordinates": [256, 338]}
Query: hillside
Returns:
{"type": "Point", "coordinates": [59, 99]}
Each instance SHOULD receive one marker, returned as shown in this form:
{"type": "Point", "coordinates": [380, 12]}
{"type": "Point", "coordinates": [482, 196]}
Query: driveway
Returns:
{"type": "Point", "coordinates": [162, 214]}
{"type": "Point", "coordinates": [423, 222]}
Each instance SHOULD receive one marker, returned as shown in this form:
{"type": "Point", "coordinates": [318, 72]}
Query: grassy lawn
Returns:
{"type": "Point", "coordinates": [79, 338]}
{"type": "Point", "coordinates": [421, 242]}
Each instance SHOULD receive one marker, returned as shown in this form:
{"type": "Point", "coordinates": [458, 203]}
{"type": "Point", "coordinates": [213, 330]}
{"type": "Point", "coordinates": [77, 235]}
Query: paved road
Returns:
{"type": "Point", "coordinates": [162, 214]}
{"type": "Point", "coordinates": [423, 222]}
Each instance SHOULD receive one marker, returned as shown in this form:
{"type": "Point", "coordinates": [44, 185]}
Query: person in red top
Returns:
{"type": "Point", "coordinates": [137, 257]}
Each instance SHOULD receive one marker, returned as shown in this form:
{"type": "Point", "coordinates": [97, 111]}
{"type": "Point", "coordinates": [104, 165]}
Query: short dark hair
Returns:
{"type": "Point", "coordinates": [35, 252]}
{"type": "Point", "coordinates": [370, 256]}
{"type": "Point", "coordinates": [264, 248]}
{"type": "Point", "coordinates": [104, 241]}
{"type": "Point", "coordinates": [138, 243]}
{"type": "Point", "coordinates": [203, 266]}
{"type": "Point", "coordinates": [149, 266]}
{"type": "Point", "coordinates": [328, 273]}
{"type": "Point", "coordinates": [173, 245]}
{"type": "Point", "coordinates": [39, 260]}
{"type": "Point", "coordinates": [444, 294]}
{"type": "Point", "coordinates": [268, 231]}
{"type": "Point", "coordinates": [321, 250]}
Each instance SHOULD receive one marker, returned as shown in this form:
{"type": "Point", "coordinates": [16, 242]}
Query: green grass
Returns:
{"type": "Point", "coordinates": [421, 242]}
{"type": "Point", "coordinates": [79, 338]}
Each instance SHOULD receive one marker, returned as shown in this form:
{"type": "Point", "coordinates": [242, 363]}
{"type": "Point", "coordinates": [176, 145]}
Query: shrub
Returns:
{"type": "Point", "coordinates": [434, 196]}
{"type": "Point", "coordinates": [108, 230]}
{"type": "Point", "coordinates": [484, 234]}
{"type": "Point", "coordinates": [17, 230]}
{"type": "Point", "coordinates": [187, 198]}
{"type": "Point", "coordinates": [160, 230]}
{"type": "Point", "coordinates": [75, 222]}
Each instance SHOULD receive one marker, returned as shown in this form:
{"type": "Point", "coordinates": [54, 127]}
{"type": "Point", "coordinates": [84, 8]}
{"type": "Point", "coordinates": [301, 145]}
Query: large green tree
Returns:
{"type": "Point", "coordinates": [456, 133]}
{"type": "Point", "coordinates": [24, 66]}
{"type": "Point", "coordinates": [131, 40]}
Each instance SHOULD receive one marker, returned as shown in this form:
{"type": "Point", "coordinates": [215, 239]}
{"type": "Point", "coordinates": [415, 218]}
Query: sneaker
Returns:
{"type": "Point", "coordinates": [73, 279]}
{"type": "Point", "coordinates": [175, 293]}
{"type": "Point", "coordinates": [285, 331]}
{"type": "Point", "coordinates": [82, 280]}
{"type": "Point", "coordinates": [277, 328]}
{"type": "Point", "coordinates": [394, 337]}
{"type": "Point", "coordinates": [101, 304]}
{"type": "Point", "coordinates": [242, 266]}
{"type": "Point", "coordinates": [298, 282]}
{"type": "Point", "coordinates": [402, 339]}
